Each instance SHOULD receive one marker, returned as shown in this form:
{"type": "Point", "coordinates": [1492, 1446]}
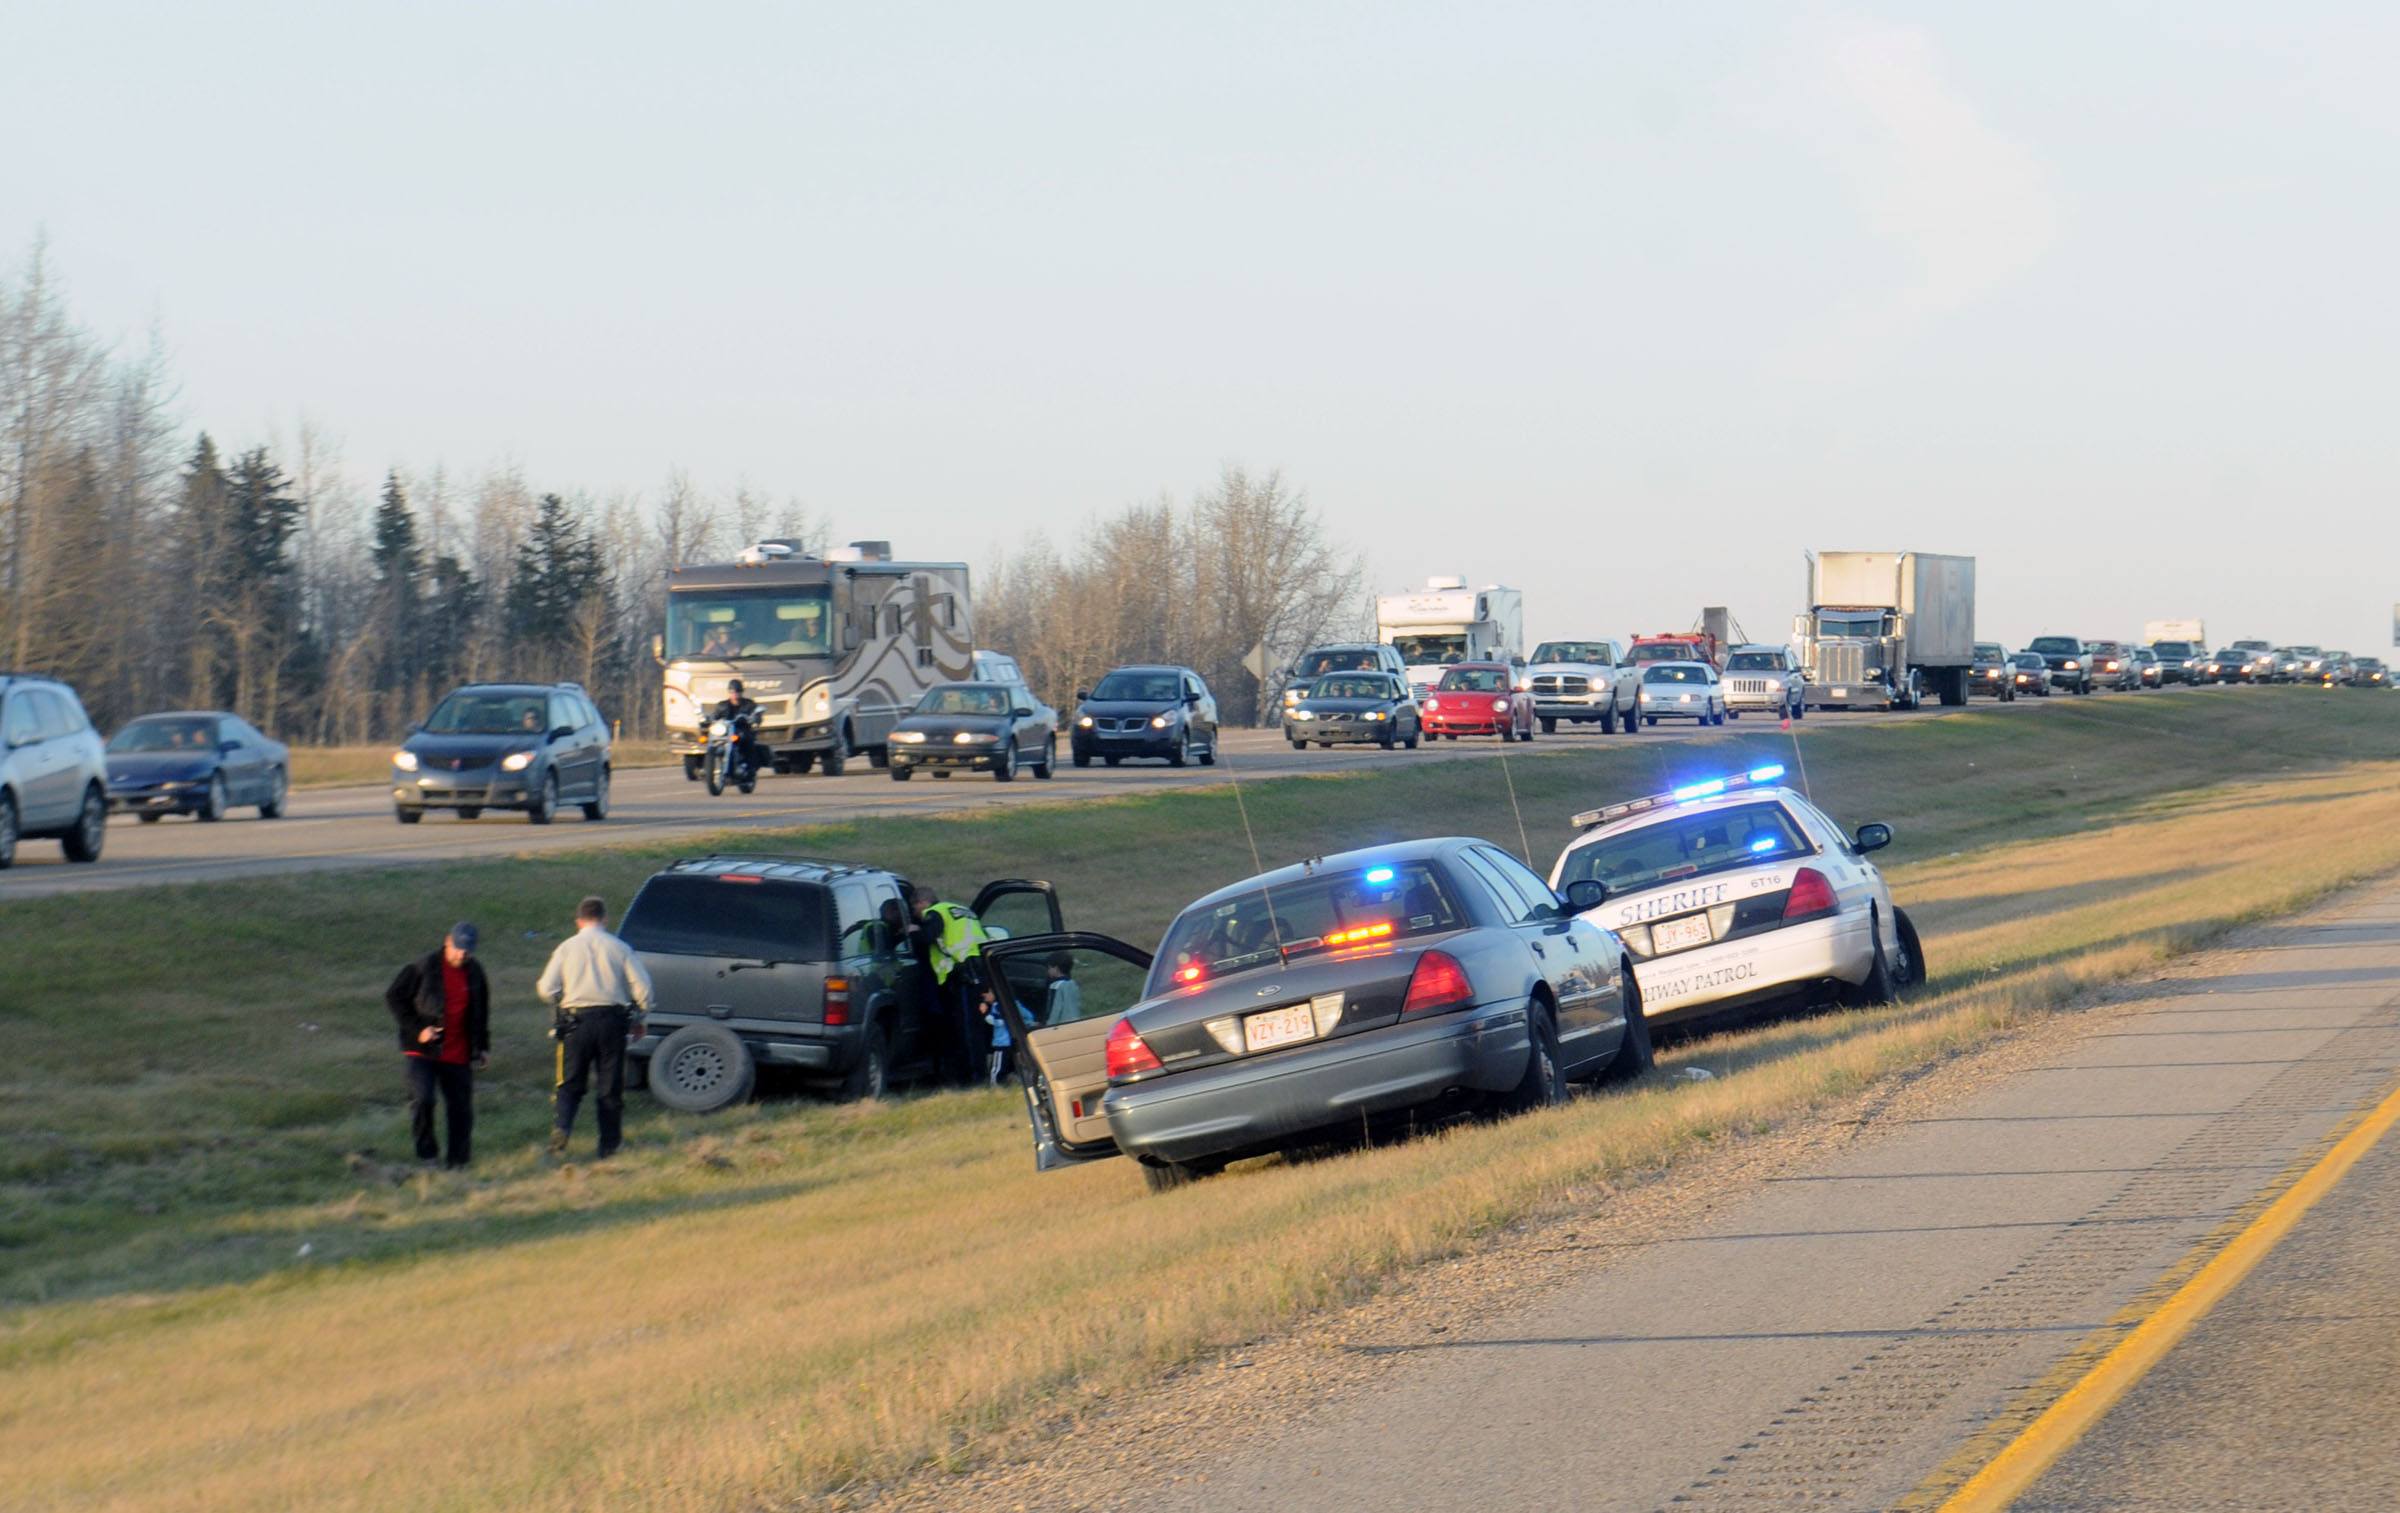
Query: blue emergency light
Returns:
{"type": "Point", "coordinates": [1684, 795]}
{"type": "Point", "coordinates": [1380, 874]}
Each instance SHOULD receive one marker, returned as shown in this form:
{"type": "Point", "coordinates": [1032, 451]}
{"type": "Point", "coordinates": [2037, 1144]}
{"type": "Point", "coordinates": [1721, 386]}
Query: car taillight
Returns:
{"type": "Point", "coordinates": [1128, 1053]}
{"type": "Point", "coordinates": [1811, 896]}
{"type": "Point", "coordinates": [837, 1000]}
{"type": "Point", "coordinates": [1439, 982]}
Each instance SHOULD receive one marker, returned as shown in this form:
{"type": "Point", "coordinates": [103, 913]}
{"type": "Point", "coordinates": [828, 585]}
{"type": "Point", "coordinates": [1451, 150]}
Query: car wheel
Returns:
{"type": "Point", "coordinates": [277, 792]}
{"type": "Point", "coordinates": [1296, 746]}
{"type": "Point", "coordinates": [1608, 720]}
{"type": "Point", "coordinates": [691, 769]}
{"type": "Point", "coordinates": [702, 1068]}
{"type": "Point", "coordinates": [1208, 754]}
{"type": "Point", "coordinates": [1005, 771]}
{"type": "Point", "coordinates": [1112, 761]}
{"type": "Point", "coordinates": [1082, 758]}
{"type": "Point", "coordinates": [597, 809]}
{"type": "Point", "coordinates": [471, 812]}
{"type": "Point", "coordinates": [83, 843]}
{"type": "Point", "coordinates": [1411, 742]}
{"type": "Point", "coordinates": [903, 774]}
{"type": "Point", "coordinates": [1182, 754]}
{"type": "Point", "coordinates": [835, 757]}
{"type": "Point", "coordinates": [546, 804]}
{"type": "Point", "coordinates": [212, 803]}
{"type": "Point", "coordinates": [1049, 762]}
{"type": "Point", "coordinates": [879, 756]}
{"type": "Point", "coordinates": [407, 814]}
{"type": "Point", "coordinates": [1910, 970]}
{"type": "Point", "coordinates": [871, 1075]}
{"type": "Point", "coordinates": [150, 819]}
{"type": "Point", "coordinates": [1636, 1055]}
{"type": "Point", "coordinates": [1650, 720]}
{"type": "Point", "coordinates": [1733, 714]}
{"type": "Point", "coordinates": [1166, 1176]}
{"type": "Point", "coordinates": [1383, 738]}
{"type": "Point", "coordinates": [8, 832]}
{"type": "Point", "coordinates": [1541, 1086]}
{"type": "Point", "coordinates": [1549, 725]}
{"type": "Point", "coordinates": [1877, 989]}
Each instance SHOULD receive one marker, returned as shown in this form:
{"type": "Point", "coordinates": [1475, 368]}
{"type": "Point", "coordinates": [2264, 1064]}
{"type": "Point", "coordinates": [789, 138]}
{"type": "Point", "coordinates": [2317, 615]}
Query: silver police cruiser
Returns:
{"type": "Point", "coordinates": [1739, 893]}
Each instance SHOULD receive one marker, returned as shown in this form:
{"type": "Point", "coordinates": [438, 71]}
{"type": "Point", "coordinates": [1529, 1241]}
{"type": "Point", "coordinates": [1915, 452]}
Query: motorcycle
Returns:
{"type": "Point", "coordinates": [727, 761]}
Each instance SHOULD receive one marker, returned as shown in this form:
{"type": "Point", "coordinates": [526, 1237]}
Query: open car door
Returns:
{"type": "Point", "coordinates": [1061, 994]}
{"type": "Point", "coordinates": [1018, 906]}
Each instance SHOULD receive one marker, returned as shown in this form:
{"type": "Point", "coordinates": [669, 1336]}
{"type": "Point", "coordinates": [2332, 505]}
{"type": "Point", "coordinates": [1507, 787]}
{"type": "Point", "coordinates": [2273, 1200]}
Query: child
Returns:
{"type": "Point", "coordinates": [1065, 1005]}
{"type": "Point", "coordinates": [998, 1061]}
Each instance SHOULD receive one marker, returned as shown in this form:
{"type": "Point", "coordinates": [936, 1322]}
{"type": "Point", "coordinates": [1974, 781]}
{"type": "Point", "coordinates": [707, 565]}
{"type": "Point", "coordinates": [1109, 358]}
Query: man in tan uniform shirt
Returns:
{"type": "Point", "coordinates": [598, 991]}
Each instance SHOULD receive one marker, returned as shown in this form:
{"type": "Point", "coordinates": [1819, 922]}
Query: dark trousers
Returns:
{"type": "Point", "coordinates": [455, 1084]}
{"type": "Point", "coordinates": [591, 1045]}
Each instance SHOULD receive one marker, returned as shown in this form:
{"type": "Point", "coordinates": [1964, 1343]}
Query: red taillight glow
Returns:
{"type": "Point", "coordinates": [837, 1000]}
{"type": "Point", "coordinates": [1439, 982]}
{"type": "Point", "coordinates": [1192, 973]}
{"type": "Point", "coordinates": [1127, 1053]}
{"type": "Point", "coordinates": [1811, 896]}
{"type": "Point", "coordinates": [740, 877]}
{"type": "Point", "coordinates": [1357, 933]}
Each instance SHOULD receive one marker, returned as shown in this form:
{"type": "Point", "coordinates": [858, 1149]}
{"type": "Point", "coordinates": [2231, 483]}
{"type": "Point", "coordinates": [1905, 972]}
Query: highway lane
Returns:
{"type": "Point", "coordinates": [1852, 1333]}
{"type": "Point", "coordinates": [332, 829]}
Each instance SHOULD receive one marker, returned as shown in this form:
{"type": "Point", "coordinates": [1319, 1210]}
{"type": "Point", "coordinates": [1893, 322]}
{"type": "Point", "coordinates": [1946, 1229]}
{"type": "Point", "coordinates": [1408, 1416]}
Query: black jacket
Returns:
{"type": "Point", "coordinates": [415, 999]}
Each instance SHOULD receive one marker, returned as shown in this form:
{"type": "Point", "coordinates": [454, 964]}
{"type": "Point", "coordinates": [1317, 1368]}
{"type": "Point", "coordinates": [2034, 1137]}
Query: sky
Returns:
{"type": "Point", "coordinates": [1627, 306]}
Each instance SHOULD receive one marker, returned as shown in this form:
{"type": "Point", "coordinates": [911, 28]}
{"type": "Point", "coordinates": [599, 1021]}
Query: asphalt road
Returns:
{"type": "Point", "coordinates": [1846, 1335]}
{"type": "Point", "coordinates": [331, 829]}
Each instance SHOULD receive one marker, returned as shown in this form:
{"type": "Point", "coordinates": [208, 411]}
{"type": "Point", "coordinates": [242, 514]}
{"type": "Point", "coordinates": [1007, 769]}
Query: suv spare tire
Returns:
{"type": "Point", "coordinates": [702, 1068]}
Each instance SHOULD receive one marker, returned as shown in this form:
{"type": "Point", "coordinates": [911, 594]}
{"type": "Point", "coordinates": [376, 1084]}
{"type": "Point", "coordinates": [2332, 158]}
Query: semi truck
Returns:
{"type": "Point", "coordinates": [834, 647]}
{"type": "Point", "coordinates": [1446, 622]}
{"type": "Point", "coordinates": [1885, 629]}
{"type": "Point", "coordinates": [2194, 631]}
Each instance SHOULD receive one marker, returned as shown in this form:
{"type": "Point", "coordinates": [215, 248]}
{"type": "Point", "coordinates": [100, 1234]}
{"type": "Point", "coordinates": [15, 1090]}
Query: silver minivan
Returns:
{"type": "Point", "coordinates": [53, 772]}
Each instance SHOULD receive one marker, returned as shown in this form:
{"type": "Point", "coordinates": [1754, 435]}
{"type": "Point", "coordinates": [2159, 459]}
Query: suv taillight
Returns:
{"type": "Point", "coordinates": [1439, 982]}
{"type": "Point", "coordinates": [1810, 897]}
{"type": "Point", "coordinates": [1128, 1053]}
{"type": "Point", "coordinates": [837, 1000]}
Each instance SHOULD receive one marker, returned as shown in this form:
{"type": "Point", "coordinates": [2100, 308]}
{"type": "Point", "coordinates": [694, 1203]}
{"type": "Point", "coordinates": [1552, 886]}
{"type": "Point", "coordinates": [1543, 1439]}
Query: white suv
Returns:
{"type": "Point", "coordinates": [53, 771]}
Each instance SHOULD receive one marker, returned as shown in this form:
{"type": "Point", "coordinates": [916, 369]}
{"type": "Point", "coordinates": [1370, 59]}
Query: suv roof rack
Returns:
{"type": "Point", "coordinates": [1756, 777]}
{"type": "Point", "coordinates": [727, 859]}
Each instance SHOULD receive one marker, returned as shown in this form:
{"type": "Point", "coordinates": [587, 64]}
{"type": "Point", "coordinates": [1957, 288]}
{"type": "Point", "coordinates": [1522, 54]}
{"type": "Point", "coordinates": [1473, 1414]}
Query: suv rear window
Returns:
{"type": "Point", "coordinates": [730, 914]}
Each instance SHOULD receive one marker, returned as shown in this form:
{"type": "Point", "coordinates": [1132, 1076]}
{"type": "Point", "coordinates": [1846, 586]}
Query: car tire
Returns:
{"type": "Point", "coordinates": [407, 814]}
{"type": "Point", "coordinates": [8, 832]}
{"type": "Point", "coordinates": [1608, 720]}
{"type": "Point", "coordinates": [1542, 1085]}
{"type": "Point", "coordinates": [1877, 990]}
{"type": "Point", "coordinates": [1166, 1176]}
{"type": "Point", "coordinates": [1383, 738]}
{"type": "Point", "coordinates": [1208, 754]}
{"type": "Point", "coordinates": [212, 804]}
{"type": "Point", "coordinates": [597, 808]}
{"type": "Point", "coordinates": [1549, 725]}
{"type": "Point", "coordinates": [879, 756]}
{"type": "Point", "coordinates": [1044, 769]}
{"type": "Point", "coordinates": [471, 812]}
{"type": "Point", "coordinates": [1733, 714]}
{"type": "Point", "coordinates": [1113, 760]}
{"type": "Point", "coordinates": [691, 769]}
{"type": "Point", "coordinates": [870, 1077]}
{"type": "Point", "coordinates": [151, 818]}
{"type": "Point", "coordinates": [1083, 758]}
{"type": "Point", "coordinates": [1411, 742]}
{"type": "Point", "coordinates": [1181, 756]}
{"type": "Point", "coordinates": [83, 843]}
{"type": "Point", "coordinates": [902, 774]}
{"type": "Point", "coordinates": [834, 758]}
{"type": "Point", "coordinates": [702, 1068]}
{"type": "Point", "coordinates": [1650, 720]}
{"type": "Point", "coordinates": [1911, 970]}
{"type": "Point", "coordinates": [1296, 746]}
{"type": "Point", "coordinates": [1637, 1055]}
{"type": "Point", "coordinates": [1005, 770]}
{"type": "Point", "coordinates": [544, 806]}
{"type": "Point", "coordinates": [281, 788]}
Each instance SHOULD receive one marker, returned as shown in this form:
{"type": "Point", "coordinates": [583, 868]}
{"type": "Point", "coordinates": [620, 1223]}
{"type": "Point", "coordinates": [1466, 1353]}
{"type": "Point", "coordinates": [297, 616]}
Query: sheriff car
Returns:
{"type": "Point", "coordinates": [1738, 893]}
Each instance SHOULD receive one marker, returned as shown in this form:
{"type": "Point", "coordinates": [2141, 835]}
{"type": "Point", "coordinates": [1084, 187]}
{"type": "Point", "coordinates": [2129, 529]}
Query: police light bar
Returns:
{"type": "Point", "coordinates": [1755, 777]}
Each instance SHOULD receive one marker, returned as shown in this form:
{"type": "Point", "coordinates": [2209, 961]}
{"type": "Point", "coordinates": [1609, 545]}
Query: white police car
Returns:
{"type": "Point", "coordinates": [1738, 892]}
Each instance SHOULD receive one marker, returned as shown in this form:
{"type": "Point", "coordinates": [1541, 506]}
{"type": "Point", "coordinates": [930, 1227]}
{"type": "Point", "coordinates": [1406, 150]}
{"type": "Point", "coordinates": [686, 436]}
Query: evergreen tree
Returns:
{"type": "Point", "coordinates": [399, 569]}
{"type": "Point", "coordinates": [261, 516]}
{"type": "Point", "coordinates": [558, 568]}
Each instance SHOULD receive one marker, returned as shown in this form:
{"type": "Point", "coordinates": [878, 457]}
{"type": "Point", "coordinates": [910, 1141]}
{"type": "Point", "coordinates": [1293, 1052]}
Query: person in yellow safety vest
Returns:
{"type": "Point", "coordinates": [954, 940]}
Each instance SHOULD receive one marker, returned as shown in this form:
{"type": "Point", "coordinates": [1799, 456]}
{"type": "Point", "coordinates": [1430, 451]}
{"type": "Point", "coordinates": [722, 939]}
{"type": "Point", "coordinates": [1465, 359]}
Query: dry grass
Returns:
{"type": "Point", "coordinates": [804, 1299]}
{"type": "Point", "coordinates": [348, 766]}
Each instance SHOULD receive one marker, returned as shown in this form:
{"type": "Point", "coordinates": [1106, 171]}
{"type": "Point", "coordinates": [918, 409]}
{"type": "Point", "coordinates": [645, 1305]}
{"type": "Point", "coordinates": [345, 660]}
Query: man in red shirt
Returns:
{"type": "Point", "coordinates": [442, 1005]}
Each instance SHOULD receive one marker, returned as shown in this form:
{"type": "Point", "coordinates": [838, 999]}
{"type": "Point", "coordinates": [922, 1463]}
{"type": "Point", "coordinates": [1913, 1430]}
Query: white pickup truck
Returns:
{"type": "Point", "coordinates": [1582, 682]}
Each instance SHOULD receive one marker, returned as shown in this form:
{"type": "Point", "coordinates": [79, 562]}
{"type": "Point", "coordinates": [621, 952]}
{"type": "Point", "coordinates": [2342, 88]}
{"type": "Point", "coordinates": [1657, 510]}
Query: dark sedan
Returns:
{"type": "Point", "coordinates": [1992, 672]}
{"type": "Point", "coordinates": [2369, 672]}
{"type": "Point", "coordinates": [1374, 988]}
{"type": "Point", "coordinates": [1355, 707]}
{"type": "Point", "coordinates": [196, 762]}
{"type": "Point", "coordinates": [2033, 675]}
{"type": "Point", "coordinates": [1161, 712]}
{"type": "Point", "coordinates": [999, 728]}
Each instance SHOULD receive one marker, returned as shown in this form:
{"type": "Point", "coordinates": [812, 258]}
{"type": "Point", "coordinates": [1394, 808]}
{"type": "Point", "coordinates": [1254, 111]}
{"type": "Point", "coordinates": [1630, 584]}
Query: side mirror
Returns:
{"type": "Point", "coordinates": [1021, 712]}
{"type": "Point", "coordinates": [228, 748]}
{"type": "Point", "coordinates": [1872, 836]}
{"type": "Point", "coordinates": [561, 732]}
{"type": "Point", "coordinates": [415, 726]}
{"type": "Point", "coordinates": [1192, 699]}
{"type": "Point", "coordinates": [1586, 893]}
{"type": "Point", "coordinates": [658, 650]}
{"type": "Point", "coordinates": [1082, 694]}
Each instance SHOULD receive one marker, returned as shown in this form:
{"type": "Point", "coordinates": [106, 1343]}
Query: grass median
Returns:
{"type": "Point", "coordinates": [351, 766]}
{"type": "Point", "coordinates": [208, 1230]}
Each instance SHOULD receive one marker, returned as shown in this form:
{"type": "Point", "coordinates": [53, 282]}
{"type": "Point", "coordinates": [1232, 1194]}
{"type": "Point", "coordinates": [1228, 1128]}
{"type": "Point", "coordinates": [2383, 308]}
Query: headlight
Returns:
{"type": "Point", "coordinates": [2074, 666]}
{"type": "Point", "coordinates": [1085, 723]}
{"type": "Point", "coordinates": [1161, 721]}
{"type": "Point", "coordinates": [1874, 672]}
{"type": "Point", "coordinates": [1774, 685]}
{"type": "Point", "coordinates": [1499, 706]}
{"type": "Point", "coordinates": [1291, 696]}
{"type": "Point", "coordinates": [516, 761]}
{"type": "Point", "coordinates": [1304, 714]}
{"type": "Point", "coordinates": [972, 738]}
{"type": "Point", "coordinates": [909, 737]}
{"type": "Point", "coordinates": [406, 761]}
{"type": "Point", "coordinates": [1374, 714]}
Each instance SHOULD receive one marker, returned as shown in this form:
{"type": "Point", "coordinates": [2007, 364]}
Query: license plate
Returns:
{"type": "Point", "coordinates": [1675, 934]}
{"type": "Point", "coordinates": [1276, 1027]}
{"type": "Point", "coordinates": [1841, 693]}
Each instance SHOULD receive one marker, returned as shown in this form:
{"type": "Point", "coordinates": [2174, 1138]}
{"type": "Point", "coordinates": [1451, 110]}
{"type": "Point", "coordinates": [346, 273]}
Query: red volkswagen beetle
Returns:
{"type": "Point", "coordinates": [1479, 698]}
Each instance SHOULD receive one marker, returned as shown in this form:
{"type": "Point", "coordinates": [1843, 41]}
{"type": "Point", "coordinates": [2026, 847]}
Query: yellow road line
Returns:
{"type": "Point", "coordinates": [2007, 1476]}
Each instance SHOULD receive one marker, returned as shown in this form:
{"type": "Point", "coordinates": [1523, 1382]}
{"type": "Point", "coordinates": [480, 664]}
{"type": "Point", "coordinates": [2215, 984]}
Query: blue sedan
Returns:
{"type": "Point", "coordinates": [196, 762]}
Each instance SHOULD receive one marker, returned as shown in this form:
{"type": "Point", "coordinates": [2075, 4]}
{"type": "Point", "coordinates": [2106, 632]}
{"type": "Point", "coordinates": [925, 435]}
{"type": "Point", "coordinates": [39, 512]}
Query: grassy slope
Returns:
{"type": "Point", "coordinates": [176, 1132]}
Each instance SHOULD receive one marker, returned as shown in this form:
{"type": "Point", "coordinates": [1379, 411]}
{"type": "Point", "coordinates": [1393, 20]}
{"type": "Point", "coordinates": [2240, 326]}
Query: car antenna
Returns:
{"type": "Point", "coordinates": [1522, 841]}
{"type": "Point", "coordinates": [1257, 866]}
{"type": "Point", "coordinates": [1799, 761]}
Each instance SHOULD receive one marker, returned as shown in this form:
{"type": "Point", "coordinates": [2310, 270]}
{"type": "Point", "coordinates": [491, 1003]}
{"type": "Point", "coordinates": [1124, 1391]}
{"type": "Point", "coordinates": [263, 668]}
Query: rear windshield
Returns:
{"type": "Point", "coordinates": [1988, 650]}
{"type": "Point", "coordinates": [1690, 845]}
{"type": "Point", "coordinates": [1354, 685]}
{"type": "Point", "coordinates": [1475, 680]}
{"type": "Point", "coordinates": [1675, 651]}
{"type": "Point", "coordinates": [1572, 651]}
{"type": "Point", "coordinates": [1755, 661]}
{"type": "Point", "coordinates": [752, 918]}
{"type": "Point", "coordinates": [1317, 663]}
{"type": "Point", "coordinates": [1140, 687]}
{"type": "Point", "coordinates": [964, 698]}
{"type": "Point", "coordinates": [2175, 649]}
{"type": "Point", "coordinates": [1332, 911]}
{"type": "Point", "coordinates": [1671, 672]}
{"type": "Point", "coordinates": [2067, 644]}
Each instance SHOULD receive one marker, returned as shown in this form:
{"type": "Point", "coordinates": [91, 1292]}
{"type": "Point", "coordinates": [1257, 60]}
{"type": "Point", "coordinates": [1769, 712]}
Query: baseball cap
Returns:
{"type": "Point", "coordinates": [462, 935]}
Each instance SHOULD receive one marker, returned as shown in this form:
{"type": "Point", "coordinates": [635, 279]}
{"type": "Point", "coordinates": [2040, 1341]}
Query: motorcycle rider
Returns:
{"type": "Point", "coordinates": [743, 712]}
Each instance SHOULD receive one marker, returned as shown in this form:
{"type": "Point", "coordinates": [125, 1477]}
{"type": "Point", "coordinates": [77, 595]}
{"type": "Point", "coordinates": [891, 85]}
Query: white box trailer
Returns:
{"type": "Point", "coordinates": [1884, 629]}
{"type": "Point", "coordinates": [1446, 622]}
{"type": "Point", "coordinates": [2194, 631]}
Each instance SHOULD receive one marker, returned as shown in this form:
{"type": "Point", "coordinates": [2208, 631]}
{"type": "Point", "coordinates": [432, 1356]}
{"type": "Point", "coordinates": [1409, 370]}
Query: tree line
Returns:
{"type": "Point", "coordinates": [156, 567]}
